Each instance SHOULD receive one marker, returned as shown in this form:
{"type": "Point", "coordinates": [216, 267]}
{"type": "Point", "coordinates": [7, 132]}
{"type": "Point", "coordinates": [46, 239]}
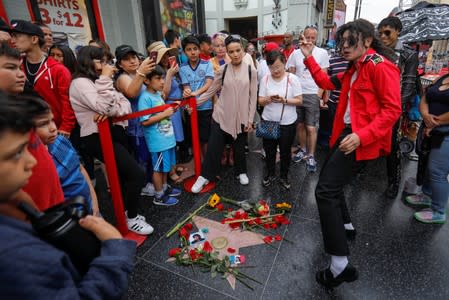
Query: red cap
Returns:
{"type": "Point", "coordinates": [271, 46]}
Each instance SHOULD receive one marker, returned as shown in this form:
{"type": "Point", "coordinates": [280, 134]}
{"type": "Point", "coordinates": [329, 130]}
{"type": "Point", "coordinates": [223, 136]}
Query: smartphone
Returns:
{"type": "Point", "coordinates": [172, 61]}
{"type": "Point", "coordinates": [153, 56]}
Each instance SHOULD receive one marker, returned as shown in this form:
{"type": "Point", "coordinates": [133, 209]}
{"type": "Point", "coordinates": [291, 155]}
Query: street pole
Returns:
{"type": "Point", "coordinates": [356, 9]}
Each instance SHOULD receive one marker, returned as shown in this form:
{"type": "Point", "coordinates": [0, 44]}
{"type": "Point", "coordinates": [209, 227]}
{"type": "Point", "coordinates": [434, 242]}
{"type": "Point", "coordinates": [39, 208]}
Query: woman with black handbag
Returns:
{"type": "Point", "coordinates": [279, 93]}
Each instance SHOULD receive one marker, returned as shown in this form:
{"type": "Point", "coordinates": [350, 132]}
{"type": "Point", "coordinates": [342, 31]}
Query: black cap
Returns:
{"type": "Point", "coordinates": [4, 26]}
{"type": "Point", "coordinates": [122, 50]}
{"type": "Point", "coordinates": [26, 27]}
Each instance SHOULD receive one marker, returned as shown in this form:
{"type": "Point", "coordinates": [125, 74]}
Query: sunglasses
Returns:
{"type": "Point", "coordinates": [311, 26]}
{"type": "Point", "coordinates": [386, 32]}
{"type": "Point", "coordinates": [233, 38]}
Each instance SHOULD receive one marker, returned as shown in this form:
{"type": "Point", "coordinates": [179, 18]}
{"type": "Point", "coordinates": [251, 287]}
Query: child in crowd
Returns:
{"type": "Point", "coordinates": [160, 138]}
{"type": "Point", "coordinates": [44, 184]}
{"type": "Point", "coordinates": [32, 268]}
{"type": "Point", "coordinates": [205, 46]}
{"type": "Point", "coordinates": [196, 77]}
{"type": "Point", "coordinates": [73, 177]}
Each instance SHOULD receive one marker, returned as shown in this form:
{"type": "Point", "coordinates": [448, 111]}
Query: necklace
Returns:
{"type": "Point", "coordinates": [40, 65]}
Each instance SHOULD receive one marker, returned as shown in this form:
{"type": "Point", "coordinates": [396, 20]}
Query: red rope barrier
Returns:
{"type": "Point", "coordinates": [111, 167]}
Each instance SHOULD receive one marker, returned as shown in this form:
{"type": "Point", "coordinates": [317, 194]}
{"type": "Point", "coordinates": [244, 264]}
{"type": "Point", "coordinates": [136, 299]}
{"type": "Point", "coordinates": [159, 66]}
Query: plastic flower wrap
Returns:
{"type": "Point", "coordinates": [262, 208]}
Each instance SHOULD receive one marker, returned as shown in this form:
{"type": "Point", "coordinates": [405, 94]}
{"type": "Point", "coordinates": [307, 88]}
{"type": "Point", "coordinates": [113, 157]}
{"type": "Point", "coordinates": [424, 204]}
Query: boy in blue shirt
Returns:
{"type": "Point", "coordinates": [196, 77]}
{"type": "Point", "coordinates": [159, 136]}
{"type": "Point", "coordinates": [73, 177]}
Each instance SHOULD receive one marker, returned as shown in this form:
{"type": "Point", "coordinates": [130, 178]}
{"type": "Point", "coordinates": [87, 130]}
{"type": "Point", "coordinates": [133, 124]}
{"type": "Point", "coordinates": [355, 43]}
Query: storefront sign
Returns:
{"type": "Point", "coordinates": [329, 17]}
{"type": "Point", "coordinates": [68, 20]}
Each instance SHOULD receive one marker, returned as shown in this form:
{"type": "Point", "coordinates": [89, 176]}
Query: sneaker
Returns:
{"type": "Point", "coordinates": [299, 156]}
{"type": "Point", "coordinates": [148, 190]}
{"type": "Point", "coordinates": [262, 152]}
{"type": "Point", "coordinates": [139, 226]}
{"type": "Point", "coordinates": [419, 200]}
{"type": "Point", "coordinates": [165, 200]}
{"type": "Point", "coordinates": [430, 217]}
{"type": "Point", "coordinates": [138, 217]}
{"type": "Point", "coordinates": [199, 184]}
{"type": "Point", "coordinates": [311, 164]}
{"type": "Point", "coordinates": [285, 183]}
{"type": "Point", "coordinates": [267, 180]}
{"type": "Point", "coordinates": [243, 178]}
{"type": "Point", "coordinates": [173, 192]}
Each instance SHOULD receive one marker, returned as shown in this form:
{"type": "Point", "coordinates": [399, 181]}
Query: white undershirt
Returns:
{"type": "Point", "coordinates": [347, 116]}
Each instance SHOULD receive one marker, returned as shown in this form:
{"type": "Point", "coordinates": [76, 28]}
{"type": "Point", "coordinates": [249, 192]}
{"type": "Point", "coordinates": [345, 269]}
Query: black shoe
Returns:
{"type": "Point", "coordinates": [326, 278]}
{"type": "Point", "coordinates": [267, 180]}
{"type": "Point", "coordinates": [285, 183]}
{"type": "Point", "coordinates": [350, 234]}
{"type": "Point", "coordinates": [392, 191]}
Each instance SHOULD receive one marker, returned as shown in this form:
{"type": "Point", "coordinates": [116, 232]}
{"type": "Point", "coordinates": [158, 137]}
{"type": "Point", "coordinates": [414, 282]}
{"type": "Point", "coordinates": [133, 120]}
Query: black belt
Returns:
{"type": "Point", "coordinates": [348, 126]}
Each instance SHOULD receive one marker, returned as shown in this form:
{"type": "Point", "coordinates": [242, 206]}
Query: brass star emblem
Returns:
{"type": "Point", "coordinates": [235, 238]}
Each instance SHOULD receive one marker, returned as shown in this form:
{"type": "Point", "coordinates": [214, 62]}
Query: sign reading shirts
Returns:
{"type": "Point", "coordinates": [68, 20]}
{"type": "Point", "coordinates": [179, 15]}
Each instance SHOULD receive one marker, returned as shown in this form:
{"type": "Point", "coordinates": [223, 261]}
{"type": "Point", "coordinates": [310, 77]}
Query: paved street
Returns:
{"type": "Point", "coordinates": [397, 257]}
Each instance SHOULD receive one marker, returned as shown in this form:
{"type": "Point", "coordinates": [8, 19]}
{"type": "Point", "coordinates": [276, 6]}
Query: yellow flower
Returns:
{"type": "Point", "coordinates": [214, 200]}
{"type": "Point", "coordinates": [283, 205]}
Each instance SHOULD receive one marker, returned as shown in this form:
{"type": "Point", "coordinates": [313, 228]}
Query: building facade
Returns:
{"type": "Point", "coordinates": [258, 18]}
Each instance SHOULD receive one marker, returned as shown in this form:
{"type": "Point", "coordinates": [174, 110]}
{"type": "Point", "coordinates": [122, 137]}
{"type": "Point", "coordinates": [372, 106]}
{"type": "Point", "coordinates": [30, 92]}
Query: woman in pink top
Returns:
{"type": "Point", "coordinates": [93, 98]}
{"type": "Point", "coordinates": [233, 113]}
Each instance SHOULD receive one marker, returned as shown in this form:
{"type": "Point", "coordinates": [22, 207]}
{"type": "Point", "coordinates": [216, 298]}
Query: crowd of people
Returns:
{"type": "Point", "coordinates": [52, 100]}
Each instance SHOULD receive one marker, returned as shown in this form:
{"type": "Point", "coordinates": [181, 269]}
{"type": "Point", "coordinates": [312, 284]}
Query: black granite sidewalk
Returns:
{"type": "Point", "coordinates": [397, 257]}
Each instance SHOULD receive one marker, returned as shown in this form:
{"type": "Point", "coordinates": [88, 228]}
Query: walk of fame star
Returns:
{"type": "Point", "coordinates": [235, 238]}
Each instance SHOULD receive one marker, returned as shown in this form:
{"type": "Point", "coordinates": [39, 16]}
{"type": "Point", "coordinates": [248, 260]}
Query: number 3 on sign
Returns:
{"type": "Point", "coordinates": [77, 16]}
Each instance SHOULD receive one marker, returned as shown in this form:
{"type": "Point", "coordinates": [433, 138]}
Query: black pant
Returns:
{"type": "Point", "coordinates": [394, 166]}
{"type": "Point", "coordinates": [337, 171]}
{"type": "Point", "coordinates": [130, 173]}
{"type": "Point", "coordinates": [211, 164]}
{"type": "Point", "coordinates": [285, 146]}
{"type": "Point", "coordinates": [86, 158]}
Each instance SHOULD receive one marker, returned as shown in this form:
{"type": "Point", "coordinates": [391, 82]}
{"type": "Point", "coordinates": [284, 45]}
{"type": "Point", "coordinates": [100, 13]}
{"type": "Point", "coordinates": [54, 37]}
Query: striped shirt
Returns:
{"type": "Point", "coordinates": [69, 170]}
{"type": "Point", "coordinates": [337, 64]}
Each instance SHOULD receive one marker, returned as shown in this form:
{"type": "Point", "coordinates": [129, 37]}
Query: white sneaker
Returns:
{"type": "Point", "coordinates": [199, 184]}
{"type": "Point", "coordinates": [243, 179]}
{"type": "Point", "coordinates": [139, 226]}
{"type": "Point", "coordinates": [138, 217]}
{"type": "Point", "coordinates": [148, 190]}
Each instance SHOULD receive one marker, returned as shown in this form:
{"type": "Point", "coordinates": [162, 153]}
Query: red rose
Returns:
{"type": "Point", "coordinates": [274, 226]}
{"type": "Point", "coordinates": [220, 207]}
{"type": "Point", "coordinates": [266, 226]}
{"type": "Point", "coordinates": [194, 255]}
{"type": "Point", "coordinates": [268, 239]}
{"type": "Point", "coordinates": [245, 215]}
{"type": "Point", "coordinates": [258, 221]}
{"type": "Point", "coordinates": [230, 210]}
{"type": "Point", "coordinates": [207, 247]}
{"type": "Point", "coordinates": [277, 237]}
{"type": "Point", "coordinates": [188, 226]}
{"type": "Point", "coordinates": [231, 250]}
{"type": "Point", "coordinates": [235, 225]}
{"type": "Point", "coordinates": [183, 232]}
{"type": "Point", "coordinates": [238, 215]}
{"type": "Point", "coordinates": [173, 252]}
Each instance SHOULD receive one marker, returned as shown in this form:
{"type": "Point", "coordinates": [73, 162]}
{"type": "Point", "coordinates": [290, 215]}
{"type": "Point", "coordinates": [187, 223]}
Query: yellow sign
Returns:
{"type": "Point", "coordinates": [329, 19]}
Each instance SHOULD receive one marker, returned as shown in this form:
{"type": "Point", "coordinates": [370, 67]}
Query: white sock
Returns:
{"type": "Point", "coordinates": [159, 194]}
{"type": "Point", "coordinates": [164, 187]}
{"type": "Point", "coordinates": [338, 264]}
{"type": "Point", "coordinates": [349, 226]}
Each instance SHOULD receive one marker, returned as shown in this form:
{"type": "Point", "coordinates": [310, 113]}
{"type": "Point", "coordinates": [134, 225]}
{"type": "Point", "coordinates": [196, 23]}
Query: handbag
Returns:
{"type": "Point", "coordinates": [271, 129]}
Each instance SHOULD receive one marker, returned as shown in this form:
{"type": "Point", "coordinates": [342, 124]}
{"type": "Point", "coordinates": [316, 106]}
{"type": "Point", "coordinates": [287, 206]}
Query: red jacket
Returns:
{"type": "Point", "coordinates": [44, 185]}
{"type": "Point", "coordinates": [375, 101]}
{"type": "Point", "coordinates": [52, 83]}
